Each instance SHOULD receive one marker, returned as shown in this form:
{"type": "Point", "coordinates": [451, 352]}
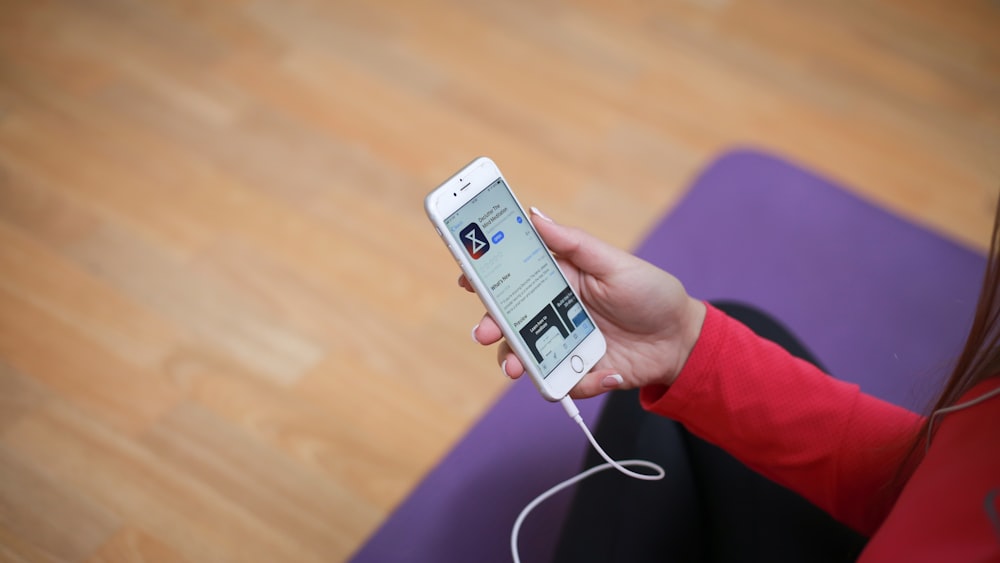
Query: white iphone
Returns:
{"type": "Point", "coordinates": [516, 277]}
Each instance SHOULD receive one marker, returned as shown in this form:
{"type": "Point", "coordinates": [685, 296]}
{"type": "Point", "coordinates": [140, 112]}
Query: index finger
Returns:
{"type": "Point", "coordinates": [464, 282]}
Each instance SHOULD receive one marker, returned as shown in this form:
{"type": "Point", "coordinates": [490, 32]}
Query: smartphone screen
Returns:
{"type": "Point", "coordinates": [523, 279]}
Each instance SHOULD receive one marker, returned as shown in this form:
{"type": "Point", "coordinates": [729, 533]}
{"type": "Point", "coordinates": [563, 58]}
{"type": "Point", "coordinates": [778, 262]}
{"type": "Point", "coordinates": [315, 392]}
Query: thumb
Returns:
{"type": "Point", "coordinates": [597, 382]}
{"type": "Point", "coordinates": [588, 253]}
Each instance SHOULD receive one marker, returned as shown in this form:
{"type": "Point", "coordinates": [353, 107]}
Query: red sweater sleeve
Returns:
{"type": "Point", "coordinates": [786, 419]}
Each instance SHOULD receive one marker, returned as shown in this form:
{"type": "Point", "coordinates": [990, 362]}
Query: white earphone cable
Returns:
{"type": "Point", "coordinates": [574, 413]}
{"type": "Point", "coordinates": [953, 408]}
{"type": "Point", "coordinates": [658, 472]}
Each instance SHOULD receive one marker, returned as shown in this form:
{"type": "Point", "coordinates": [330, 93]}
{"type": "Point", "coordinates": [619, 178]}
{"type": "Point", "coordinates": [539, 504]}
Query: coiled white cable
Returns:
{"type": "Point", "coordinates": [574, 413]}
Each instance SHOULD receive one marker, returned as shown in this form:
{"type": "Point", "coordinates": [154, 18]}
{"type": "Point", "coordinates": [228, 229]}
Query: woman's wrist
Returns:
{"type": "Point", "coordinates": [692, 321]}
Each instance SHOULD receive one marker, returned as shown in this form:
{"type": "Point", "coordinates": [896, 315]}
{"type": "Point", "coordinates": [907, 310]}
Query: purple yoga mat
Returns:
{"type": "Point", "coordinates": [880, 301]}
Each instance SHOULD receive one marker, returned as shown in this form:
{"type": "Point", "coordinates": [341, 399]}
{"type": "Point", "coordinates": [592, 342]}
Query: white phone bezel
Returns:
{"type": "Point", "coordinates": [448, 198]}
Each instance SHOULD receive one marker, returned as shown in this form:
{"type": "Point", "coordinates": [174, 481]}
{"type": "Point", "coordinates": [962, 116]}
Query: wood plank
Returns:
{"type": "Point", "coordinates": [134, 482]}
{"type": "Point", "coordinates": [70, 363]}
{"type": "Point", "coordinates": [386, 447]}
{"type": "Point", "coordinates": [19, 395]}
{"type": "Point", "coordinates": [37, 275]}
{"type": "Point", "coordinates": [55, 519]}
{"type": "Point", "coordinates": [205, 306]}
{"type": "Point", "coordinates": [130, 545]}
{"type": "Point", "coordinates": [16, 549]}
{"type": "Point", "coordinates": [284, 494]}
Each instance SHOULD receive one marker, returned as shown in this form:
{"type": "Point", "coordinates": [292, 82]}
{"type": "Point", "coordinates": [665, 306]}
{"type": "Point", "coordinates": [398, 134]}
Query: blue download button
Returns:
{"type": "Point", "coordinates": [497, 237]}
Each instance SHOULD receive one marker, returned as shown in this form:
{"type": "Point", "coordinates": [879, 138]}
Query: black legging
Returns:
{"type": "Point", "coordinates": [709, 507]}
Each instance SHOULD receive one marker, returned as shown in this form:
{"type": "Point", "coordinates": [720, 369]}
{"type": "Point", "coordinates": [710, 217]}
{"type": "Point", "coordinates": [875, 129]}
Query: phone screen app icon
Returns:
{"type": "Point", "coordinates": [474, 240]}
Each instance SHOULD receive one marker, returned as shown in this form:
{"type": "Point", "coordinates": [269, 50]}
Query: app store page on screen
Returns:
{"type": "Point", "coordinates": [519, 273]}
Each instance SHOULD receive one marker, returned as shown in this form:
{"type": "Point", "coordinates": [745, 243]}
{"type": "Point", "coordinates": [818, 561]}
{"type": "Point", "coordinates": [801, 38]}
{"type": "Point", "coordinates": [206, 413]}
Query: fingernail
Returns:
{"type": "Point", "coordinates": [503, 368]}
{"type": "Point", "coordinates": [474, 329]}
{"type": "Point", "coordinates": [612, 381]}
{"type": "Point", "coordinates": [536, 211]}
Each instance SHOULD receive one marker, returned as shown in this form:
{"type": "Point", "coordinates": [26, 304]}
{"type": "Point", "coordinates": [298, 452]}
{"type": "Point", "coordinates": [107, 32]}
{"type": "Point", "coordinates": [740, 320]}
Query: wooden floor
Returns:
{"type": "Point", "coordinates": [227, 331]}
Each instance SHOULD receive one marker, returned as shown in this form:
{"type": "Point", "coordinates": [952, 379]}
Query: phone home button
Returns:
{"type": "Point", "coordinates": [576, 362]}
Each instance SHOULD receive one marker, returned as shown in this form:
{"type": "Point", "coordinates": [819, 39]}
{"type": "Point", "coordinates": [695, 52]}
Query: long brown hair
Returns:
{"type": "Point", "coordinates": [979, 360]}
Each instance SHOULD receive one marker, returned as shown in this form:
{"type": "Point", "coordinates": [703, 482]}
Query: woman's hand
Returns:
{"type": "Point", "coordinates": [648, 319]}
